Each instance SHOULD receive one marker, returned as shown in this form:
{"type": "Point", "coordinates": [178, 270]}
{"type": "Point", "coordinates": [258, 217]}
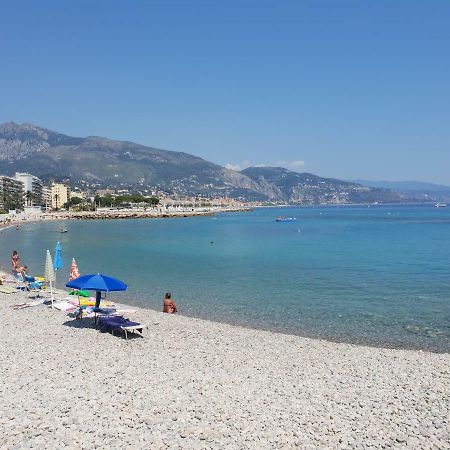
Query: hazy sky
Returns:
{"type": "Point", "coordinates": [349, 89]}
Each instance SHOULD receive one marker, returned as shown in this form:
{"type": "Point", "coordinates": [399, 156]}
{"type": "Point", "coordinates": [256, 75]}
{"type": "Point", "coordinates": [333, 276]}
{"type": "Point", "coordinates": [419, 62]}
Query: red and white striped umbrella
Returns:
{"type": "Point", "coordinates": [73, 270]}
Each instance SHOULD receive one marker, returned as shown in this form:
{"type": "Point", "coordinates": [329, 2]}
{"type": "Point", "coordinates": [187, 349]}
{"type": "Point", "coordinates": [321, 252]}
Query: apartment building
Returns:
{"type": "Point", "coordinates": [11, 193]}
{"type": "Point", "coordinates": [60, 195]}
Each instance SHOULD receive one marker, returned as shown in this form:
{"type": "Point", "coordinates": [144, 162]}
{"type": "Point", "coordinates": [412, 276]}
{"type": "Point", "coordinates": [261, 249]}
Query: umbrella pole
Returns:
{"type": "Point", "coordinates": [51, 292]}
{"type": "Point", "coordinates": [98, 297]}
{"type": "Point", "coordinates": [56, 270]}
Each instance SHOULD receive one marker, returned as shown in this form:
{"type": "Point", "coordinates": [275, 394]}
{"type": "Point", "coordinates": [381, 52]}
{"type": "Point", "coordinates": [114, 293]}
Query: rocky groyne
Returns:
{"type": "Point", "coordinates": [135, 214]}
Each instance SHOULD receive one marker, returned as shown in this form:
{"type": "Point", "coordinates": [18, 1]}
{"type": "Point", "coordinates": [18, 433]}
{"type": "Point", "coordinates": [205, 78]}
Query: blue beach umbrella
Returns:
{"type": "Point", "coordinates": [57, 262]}
{"type": "Point", "coordinates": [99, 283]}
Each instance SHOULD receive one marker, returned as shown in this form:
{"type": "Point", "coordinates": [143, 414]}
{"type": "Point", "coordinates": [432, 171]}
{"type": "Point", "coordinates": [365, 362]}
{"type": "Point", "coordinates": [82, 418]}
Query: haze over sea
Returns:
{"type": "Point", "coordinates": [374, 275]}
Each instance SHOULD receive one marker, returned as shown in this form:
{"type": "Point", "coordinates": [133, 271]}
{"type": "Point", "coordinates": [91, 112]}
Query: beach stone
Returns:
{"type": "Point", "coordinates": [219, 387]}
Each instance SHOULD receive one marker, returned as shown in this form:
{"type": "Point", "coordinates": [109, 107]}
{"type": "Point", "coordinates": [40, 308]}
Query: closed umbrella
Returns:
{"type": "Point", "coordinates": [49, 273]}
{"type": "Point", "coordinates": [74, 273]}
{"type": "Point", "coordinates": [58, 263]}
{"type": "Point", "coordinates": [99, 283]}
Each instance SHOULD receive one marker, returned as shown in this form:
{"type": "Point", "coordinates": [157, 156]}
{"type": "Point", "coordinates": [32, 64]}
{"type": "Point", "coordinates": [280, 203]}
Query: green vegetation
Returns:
{"type": "Point", "coordinates": [73, 202]}
{"type": "Point", "coordinates": [125, 200]}
{"type": "Point", "coordinates": [12, 200]}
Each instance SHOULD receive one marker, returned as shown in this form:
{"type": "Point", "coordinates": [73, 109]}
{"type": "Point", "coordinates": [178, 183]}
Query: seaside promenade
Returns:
{"type": "Point", "coordinates": [195, 384]}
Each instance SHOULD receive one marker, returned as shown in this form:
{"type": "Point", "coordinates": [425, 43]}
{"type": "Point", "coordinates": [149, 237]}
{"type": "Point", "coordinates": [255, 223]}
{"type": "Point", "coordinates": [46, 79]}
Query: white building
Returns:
{"type": "Point", "coordinates": [32, 188]}
{"type": "Point", "coordinates": [78, 194]}
{"type": "Point", "coordinates": [47, 197]}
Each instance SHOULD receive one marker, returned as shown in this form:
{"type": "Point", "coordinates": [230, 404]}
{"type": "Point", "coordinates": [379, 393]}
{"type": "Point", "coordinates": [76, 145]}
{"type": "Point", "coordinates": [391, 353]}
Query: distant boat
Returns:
{"type": "Point", "coordinates": [63, 230]}
{"type": "Point", "coordinates": [440, 205]}
{"type": "Point", "coordinates": [285, 219]}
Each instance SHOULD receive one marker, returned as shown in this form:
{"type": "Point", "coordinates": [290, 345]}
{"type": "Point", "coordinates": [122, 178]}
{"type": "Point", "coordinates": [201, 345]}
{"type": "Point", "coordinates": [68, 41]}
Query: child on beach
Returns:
{"type": "Point", "coordinates": [169, 305]}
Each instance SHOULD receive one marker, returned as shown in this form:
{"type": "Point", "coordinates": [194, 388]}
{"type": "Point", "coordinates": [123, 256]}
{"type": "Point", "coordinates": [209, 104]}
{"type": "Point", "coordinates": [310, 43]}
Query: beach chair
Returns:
{"type": "Point", "coordinates": [28, 284]}
{"type": "Point", "coordinates": [119, 323]}
{"type": "Point", "coordinates": [19, 280]}
{"type": "Point", "coordinates": [17, 277]}
{"type": "Point", "coordinates": [33, 283]}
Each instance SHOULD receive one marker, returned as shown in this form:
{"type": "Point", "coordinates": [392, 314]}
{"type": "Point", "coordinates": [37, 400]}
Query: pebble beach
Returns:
{"type": "Point", "coordinates": [194, 384]}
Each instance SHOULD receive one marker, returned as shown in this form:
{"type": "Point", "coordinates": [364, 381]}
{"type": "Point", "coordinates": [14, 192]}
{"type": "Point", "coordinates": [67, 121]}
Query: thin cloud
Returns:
{"type": "Point", "coordinates": [297, 164]}
{"type": "Point", "coordinates": [236, 167]}
{"type": "Point", "coordinates": [290, 165]}
{"type": "Point", "coordinates": [239, 166]}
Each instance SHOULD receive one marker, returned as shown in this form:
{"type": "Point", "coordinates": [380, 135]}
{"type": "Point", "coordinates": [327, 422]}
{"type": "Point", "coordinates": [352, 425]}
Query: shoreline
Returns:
{"type": "Point", "coordinates": [268, 329]}
{"type": "Point", "coordinates": [311, 336]}
{"type": "Point", "coordinates": [112, 214]}
{"type": "Point", "coordinates": [193, 383]}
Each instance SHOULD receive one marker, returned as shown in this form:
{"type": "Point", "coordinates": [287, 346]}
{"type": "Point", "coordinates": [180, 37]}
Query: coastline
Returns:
{"type": "Point", "coordinates": [192, 383]}
{"type": "Point", "coordinates": [105, 214]}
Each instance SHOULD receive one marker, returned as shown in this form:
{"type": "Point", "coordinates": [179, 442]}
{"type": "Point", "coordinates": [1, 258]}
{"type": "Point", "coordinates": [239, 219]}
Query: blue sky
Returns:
{"type": "Point", "coordinates": [349, 89]}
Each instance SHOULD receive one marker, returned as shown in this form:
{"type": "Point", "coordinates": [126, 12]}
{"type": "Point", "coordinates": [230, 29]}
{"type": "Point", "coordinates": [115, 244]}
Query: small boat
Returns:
{"type": "Point", "coordinates": [440, 205]}
{"type": "Point", "coordinates": [63, 230]}
{"type": "Point", "coordinates": [285, 219]}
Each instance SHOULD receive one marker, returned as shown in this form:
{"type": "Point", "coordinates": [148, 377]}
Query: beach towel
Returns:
{"type": "Point", "coordinates": [80, 293]}
{"type": "Point", "coordinates": [8, 290]}
{"type": "Point", "coordinates": [64, 306]}
{"type": "Point", "coordinates": [28, 304]}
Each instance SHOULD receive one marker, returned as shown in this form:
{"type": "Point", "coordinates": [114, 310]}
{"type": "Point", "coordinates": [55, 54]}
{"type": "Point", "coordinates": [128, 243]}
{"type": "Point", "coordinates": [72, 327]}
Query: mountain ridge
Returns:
{"type": "Point", "coordinates": [422, 191]}
{"type": "Point", "coordinates": [96, 161]}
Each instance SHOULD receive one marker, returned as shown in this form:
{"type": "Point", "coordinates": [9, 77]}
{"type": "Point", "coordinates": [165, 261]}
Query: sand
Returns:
{"type": "Point", "coordinates": [196, 384]}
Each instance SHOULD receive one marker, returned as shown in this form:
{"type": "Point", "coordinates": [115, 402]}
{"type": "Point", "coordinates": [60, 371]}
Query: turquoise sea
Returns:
{"type": "Point", "coordinates": [377, 275]}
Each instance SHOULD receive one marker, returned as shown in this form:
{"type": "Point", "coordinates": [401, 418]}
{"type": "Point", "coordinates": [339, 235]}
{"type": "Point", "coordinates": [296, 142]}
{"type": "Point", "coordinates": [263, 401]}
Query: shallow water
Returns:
{"type": "Point", "coordinates": [377, 275]}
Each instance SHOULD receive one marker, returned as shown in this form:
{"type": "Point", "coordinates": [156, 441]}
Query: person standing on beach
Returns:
{"type": "Point", "coordinates": [169, 305]}
{"type": "Point", "coordinates": [15, 261]}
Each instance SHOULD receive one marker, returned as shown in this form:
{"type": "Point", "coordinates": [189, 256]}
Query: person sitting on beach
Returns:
{"type": "Point", "coordinates": [20, 273]}
{"type": "Point", "coordinates": [169, 305]}
{"type": "Point", "coordinates": [22, 270]}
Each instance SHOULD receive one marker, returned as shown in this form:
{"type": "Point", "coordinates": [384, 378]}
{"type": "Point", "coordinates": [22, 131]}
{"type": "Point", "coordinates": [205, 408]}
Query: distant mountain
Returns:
{"type": "Point", "coordinates": [104, 162]}
{"type": "Point", "coordinates": [94, 162]}
{"type": "Point", "coordinates": [418, 189]}
{"type": "Point", "coordinates": [306, 188]}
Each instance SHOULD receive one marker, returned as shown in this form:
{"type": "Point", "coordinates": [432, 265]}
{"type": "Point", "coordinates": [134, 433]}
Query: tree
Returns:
{"type": "Point", "coordinates": [56, 197]}
{"type": "Point", "coordinates": [29, 196]}
{"type": "Point", "coordinates": [73, 202]}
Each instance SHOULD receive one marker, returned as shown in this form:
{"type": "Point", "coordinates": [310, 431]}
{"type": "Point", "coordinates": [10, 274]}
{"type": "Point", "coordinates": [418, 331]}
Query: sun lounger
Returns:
{"type": "Point", "coordinates": [98, 312]}
{"type": "Point", "coordinates": [119, 323]}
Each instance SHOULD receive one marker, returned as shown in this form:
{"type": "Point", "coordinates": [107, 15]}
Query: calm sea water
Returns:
{"type": "Point", "coordinates": [378, 275]}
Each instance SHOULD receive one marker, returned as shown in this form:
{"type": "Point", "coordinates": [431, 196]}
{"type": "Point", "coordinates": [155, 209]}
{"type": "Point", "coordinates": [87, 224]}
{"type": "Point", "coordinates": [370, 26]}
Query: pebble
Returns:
{"type": "Point", "coordinates": [196, 384]}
